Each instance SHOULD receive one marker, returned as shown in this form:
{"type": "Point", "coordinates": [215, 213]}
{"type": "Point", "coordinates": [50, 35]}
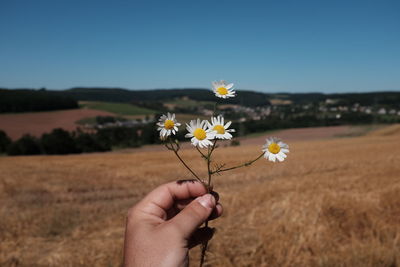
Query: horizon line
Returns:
{"type": "Point", "coordinates": [204, 88]}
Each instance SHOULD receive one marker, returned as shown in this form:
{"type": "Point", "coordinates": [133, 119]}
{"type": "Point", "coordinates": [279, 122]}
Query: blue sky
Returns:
{"type": "Point", "coordinates": [270, 46]}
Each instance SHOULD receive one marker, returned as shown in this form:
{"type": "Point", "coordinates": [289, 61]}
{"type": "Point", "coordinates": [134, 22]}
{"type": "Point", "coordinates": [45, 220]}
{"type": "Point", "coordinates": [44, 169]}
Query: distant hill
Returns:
{"type": "Point", "coordinates": [245, 98]}
{"type": "Point", "coordinates": [56, 99]}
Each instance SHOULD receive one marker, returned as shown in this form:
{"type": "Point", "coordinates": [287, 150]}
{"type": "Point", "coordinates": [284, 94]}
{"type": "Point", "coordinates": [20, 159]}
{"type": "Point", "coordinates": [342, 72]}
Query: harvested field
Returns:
{"type": "Point", "coordinates": [288, 135]}
{"type": "Point", "coordinates": [334, 202]}
{"type": "Point", "coordinates": [37, 123]}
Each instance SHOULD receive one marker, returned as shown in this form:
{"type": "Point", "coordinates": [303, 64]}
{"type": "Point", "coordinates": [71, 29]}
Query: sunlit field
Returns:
{"type": "Point", "coordinates": [333, 202]}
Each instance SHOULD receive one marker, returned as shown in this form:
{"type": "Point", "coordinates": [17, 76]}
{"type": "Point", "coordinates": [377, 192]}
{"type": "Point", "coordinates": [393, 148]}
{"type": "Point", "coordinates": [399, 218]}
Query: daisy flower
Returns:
{"type": "Point", "coordinates": [275, 149]}
{"type": "Point", "coordinates": [222, 131]}
{"type": "Point", "coordinates": [199, 133]}
{"type": "Point", "coordinates": [167, 125]}
{"type": "Point", "coordinates": [223, 90]}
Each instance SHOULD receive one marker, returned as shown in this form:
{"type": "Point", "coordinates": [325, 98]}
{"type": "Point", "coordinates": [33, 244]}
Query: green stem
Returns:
{"type": "Point", "coordinates": [187, 167]}
{"type": "Point", "coordinates": [213, 147]}
{"type": "Point", "coordinates": [202, 154]}
{"type": "Point", "coordinates": [183, 162]}
{"type": "Point", "coordinates": [210, 151]}
{"type": "Point", "coordinates": [210, 173]}
{"type": "Point", "coordinates": [239, 166]}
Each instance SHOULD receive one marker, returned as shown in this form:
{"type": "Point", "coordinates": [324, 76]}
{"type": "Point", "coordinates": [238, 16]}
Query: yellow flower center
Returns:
{"type": "Point", "coordinates": [200, 134]}
{"type": "Point", "coordinates": [222, 91]}
{"type": "Point", "coordinates": [274, 148]}
{"type": "Point", "coordinates": [169, 124]}
{"type": "Point", "coordinates": [219, 128]}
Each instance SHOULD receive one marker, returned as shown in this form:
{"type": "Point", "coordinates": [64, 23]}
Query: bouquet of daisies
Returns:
{"type": "Point", "coordinates": [204, 136]}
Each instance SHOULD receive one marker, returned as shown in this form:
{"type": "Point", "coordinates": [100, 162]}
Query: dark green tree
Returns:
{"type": "Point", "coordinates": [59, 141]}
{"type": "Point", "coordinates": [89, 143]}
{"type": "Point", "coordinates": [26, 145]}
{"type": "Point", "coordinates": [119, 137]}
{"type": "Point", "coordinates": [5, 141]}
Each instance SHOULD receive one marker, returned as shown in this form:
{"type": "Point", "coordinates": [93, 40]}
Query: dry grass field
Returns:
{"type": "Point", "coordinates": [334, 202]}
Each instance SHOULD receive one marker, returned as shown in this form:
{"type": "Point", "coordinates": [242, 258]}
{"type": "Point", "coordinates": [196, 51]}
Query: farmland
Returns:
{"type": "Point", "coordinates": [117, 108]}
{"type": "Point", "coordinates": [37, 123]}
{"type": "Point", "coordinates": [333, 202]}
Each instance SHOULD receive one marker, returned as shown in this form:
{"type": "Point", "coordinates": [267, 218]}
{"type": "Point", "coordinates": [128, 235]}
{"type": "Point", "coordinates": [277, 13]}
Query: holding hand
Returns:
{"type": "Point", "coordinates": [164, 225]}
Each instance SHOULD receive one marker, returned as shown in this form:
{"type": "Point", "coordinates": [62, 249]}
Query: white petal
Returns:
{"type": "Point", "coordinates": [200, 144]}
{"type": "Point", "coordinates": [282, 155]}
{"type": "Point", "coordinates": [271, 157]}
{"type": "Point", "coordinates": [229, 86]}
{"type": "Point", "coordinates": [215, 85]}
{"type": "Point", "coordinates": [206, 142]}
{"type": "Point", "coordinates": [284, 150]}
{"type": "Point", "coordinates": [211, 135]}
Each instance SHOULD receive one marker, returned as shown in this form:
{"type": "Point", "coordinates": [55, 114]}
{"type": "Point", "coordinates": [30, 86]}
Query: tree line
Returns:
{"type": "Point", "coordinates": [60, 141]}
{"type": "Point", "coordinates": [26, 100]}
{"type": "Point", "coordinates": [244, 97]}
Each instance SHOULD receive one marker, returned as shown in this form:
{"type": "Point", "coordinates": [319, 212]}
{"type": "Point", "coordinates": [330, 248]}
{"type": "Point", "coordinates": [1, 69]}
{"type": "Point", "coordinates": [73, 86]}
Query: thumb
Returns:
{"type": "Point", "coordinates": [194, 214]}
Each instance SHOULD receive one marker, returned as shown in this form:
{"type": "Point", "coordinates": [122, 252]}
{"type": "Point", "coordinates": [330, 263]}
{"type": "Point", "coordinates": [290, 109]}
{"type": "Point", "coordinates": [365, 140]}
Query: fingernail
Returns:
{"type": "Point", "coordinates": [207, 201]}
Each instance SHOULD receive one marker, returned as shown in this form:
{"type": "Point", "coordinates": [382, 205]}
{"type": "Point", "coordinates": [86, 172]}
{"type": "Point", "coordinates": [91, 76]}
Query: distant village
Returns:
{"type": "Point", "coordinates": [330, 108]}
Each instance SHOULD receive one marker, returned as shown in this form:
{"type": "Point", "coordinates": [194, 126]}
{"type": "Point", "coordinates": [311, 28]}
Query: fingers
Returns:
{"type": "Point", "coordinates": [181, 204]}
{"type": "Point", "coordinates": [161, 199]}
{"type": "Point", "coordinates": [193, 215]}
{"type": "Point", "coordinates": [200, 236]}
{"type": "Point", "coordinates": [215, 194]}
{"type": "Point", "coordinates": [217, 212]}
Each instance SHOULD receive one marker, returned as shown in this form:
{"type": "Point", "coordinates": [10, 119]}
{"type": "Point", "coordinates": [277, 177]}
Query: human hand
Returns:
{"type": "Point", "coordinates": [164, 225]}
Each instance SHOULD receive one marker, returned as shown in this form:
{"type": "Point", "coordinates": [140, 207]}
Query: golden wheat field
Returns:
{"type": "Point", "coordinates": [333, 202]}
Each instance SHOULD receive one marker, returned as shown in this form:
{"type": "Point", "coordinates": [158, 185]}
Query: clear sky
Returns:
{"type": "Point", "coordinates": [270, 46]}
